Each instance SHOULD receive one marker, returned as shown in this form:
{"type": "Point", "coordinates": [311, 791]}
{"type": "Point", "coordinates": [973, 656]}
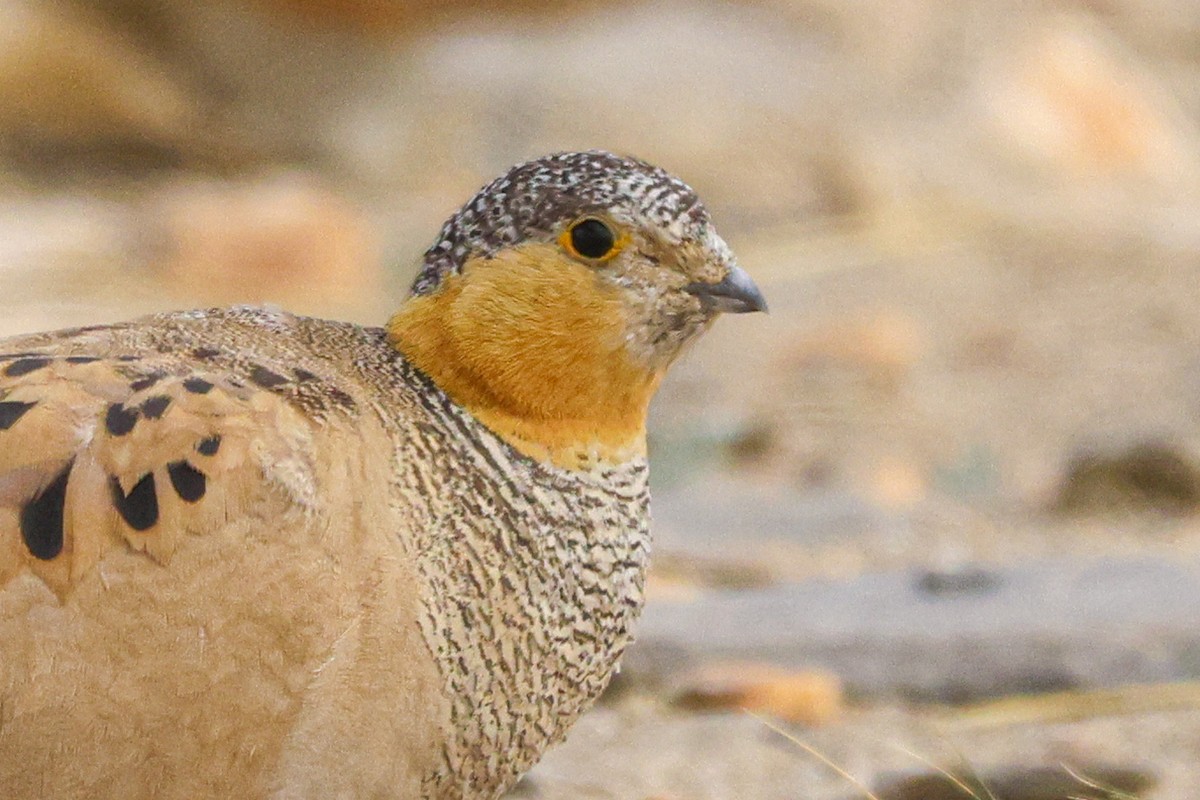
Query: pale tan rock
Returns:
{"type": "Point", "coordinates": [897, 483]}
{"type": "Point", "coordinates": [808, 697]}
{"type": "Point", "coordinates": [67, 76]}
{"type": "Point", "coordinates": [281, 239]}
{"type": "Point", "coordinates": [1070, 100]}
{"type": "Point", "coordinates": [401, 17]}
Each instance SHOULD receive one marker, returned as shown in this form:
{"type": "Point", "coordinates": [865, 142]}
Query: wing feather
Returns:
{"type": "Point", "coordinates": [101, 452]}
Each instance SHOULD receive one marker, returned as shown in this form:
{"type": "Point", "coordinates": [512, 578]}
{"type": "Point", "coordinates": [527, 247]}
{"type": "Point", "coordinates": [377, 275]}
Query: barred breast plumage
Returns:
{"type": "Point", "coordinates": [248, 554]}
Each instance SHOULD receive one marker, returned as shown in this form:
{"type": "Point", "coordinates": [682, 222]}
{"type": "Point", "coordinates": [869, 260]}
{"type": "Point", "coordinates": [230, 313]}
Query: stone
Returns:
{"type": "Point", "coordinates": [1039, 626]}
{"type": "Point", "coordinates": [283, 239]}
{"type": "Point", "coordinates": [804, 697]}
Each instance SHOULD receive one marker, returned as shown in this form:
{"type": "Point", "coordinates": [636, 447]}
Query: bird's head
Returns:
{"type": "Point", "coordinates": [552, 303]}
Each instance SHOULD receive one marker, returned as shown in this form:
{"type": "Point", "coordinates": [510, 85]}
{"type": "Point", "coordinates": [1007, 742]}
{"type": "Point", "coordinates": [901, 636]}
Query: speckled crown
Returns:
{"type": "Point", "coordinates": [534, 198]}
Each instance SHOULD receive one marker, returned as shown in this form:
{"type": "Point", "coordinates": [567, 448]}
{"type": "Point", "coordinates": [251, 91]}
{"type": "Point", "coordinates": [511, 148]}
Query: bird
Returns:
{"type": "Point", "coordinates": [250, 554]}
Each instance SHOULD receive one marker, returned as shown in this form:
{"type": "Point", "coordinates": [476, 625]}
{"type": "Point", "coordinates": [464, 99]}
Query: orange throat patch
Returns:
{"type": "Point", "coordinates": [533, 345]}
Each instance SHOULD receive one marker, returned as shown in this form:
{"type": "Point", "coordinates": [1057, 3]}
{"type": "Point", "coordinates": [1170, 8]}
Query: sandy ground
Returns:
{"type": "Point", "coordinates": [649, 753]}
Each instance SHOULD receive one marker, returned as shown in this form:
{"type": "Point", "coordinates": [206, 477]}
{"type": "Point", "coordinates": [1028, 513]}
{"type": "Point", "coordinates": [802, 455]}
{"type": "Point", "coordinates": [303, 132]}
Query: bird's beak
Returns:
{"type": "Point", "coordinates": [735, 294]}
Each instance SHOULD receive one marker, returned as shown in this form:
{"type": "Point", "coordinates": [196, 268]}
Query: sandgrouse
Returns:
{"type": "Point", "coordinates": [245, 554]}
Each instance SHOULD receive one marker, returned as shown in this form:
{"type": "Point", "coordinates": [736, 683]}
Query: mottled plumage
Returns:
{"type": "Point", "coordinates": [247, 554]}
{"type": "Point", "coordinates": [534, 197]}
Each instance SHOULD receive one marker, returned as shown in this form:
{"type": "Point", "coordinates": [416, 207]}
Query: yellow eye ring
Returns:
{"type": "Point", "coordinates": [591, 239]}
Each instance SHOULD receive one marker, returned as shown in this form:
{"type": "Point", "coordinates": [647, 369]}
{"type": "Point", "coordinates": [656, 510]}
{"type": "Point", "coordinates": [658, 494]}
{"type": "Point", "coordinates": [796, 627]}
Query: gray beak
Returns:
{"type": "Point", "coordinates": [736, 294]}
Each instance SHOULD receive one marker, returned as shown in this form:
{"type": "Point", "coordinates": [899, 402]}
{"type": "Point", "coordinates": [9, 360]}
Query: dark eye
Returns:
{"type": "Point", "coordinates": [591, 238]}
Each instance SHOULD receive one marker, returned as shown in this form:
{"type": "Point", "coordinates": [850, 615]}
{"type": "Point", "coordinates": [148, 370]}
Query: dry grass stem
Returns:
{"type": "Point", "coordinates": [812, 751]}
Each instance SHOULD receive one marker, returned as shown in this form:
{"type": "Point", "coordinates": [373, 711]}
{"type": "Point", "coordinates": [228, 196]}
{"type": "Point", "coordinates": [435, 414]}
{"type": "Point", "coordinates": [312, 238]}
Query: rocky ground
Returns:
{"type": "Point", "coordinates": [936, 512]}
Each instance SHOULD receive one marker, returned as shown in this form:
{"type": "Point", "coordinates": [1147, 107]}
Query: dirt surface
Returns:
{"type": "Point", "coordinates": [977, 226]}
{"type": "Point", "coordinates": [642, 752]}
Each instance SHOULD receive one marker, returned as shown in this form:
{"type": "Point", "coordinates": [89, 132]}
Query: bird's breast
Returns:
{"type": "Point", "coordinates": [532, 578]}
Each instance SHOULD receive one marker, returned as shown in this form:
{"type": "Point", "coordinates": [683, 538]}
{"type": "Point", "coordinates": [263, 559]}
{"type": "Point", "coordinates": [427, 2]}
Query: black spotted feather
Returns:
{"type": "Point", "coordinates": [102, 451]}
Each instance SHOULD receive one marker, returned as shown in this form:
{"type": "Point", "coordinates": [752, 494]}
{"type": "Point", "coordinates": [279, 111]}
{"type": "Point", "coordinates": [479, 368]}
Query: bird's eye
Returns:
{"type": "Point", "coordinates": [590, 238]}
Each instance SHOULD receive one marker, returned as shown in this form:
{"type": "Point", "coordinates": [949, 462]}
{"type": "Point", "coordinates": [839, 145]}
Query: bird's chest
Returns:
{"type": "Point", "coordinates": [532, 589]}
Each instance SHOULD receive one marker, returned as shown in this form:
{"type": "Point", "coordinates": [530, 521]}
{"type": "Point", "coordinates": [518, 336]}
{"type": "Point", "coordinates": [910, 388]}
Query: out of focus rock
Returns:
{"type": "Point", "coordinates": [1148, 476]}
{"type": "Point", "coordinates": [671, 585]}
{"type": "Point", "coordinates": [678, 575]}
{"type": "Point", "coordinates": [284, 240]}
{"type": "Point", "coordinates": [1022, 783]}
{"type": "Point", "coordinates": [898, 483]}
{"type": "Point", "coordinates": [1072, 102]}
{"type": "Point", "coordinates": [804, 697]}
{"type": "Point", "coordinates": [730, 534]}
{"type": "Point", "coordinates": [401, 17]}
{"type": "Point", "coordinates": [752, 441]}
{"type": "Point", "coordinates": [69, 81]}
{"type": "Point", "coordinates": [381, 16]}
{"type": "Point", "coordinates": [1043, 626]}
{"type": "Point", "coordinates": [961, 582]}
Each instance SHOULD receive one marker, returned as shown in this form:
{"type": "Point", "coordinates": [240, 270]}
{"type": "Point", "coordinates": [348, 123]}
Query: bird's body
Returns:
{"type": "Point", "coordinates": [247, 554]}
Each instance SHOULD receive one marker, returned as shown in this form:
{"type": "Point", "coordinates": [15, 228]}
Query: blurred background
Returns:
{"type": "Point", "coordinates": [938, 511]}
